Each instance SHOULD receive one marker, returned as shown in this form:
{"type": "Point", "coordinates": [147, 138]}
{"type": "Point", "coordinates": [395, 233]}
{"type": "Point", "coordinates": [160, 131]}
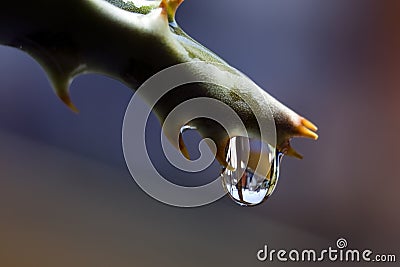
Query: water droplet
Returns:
{"type": "Point", "coordinates": [251, 175]}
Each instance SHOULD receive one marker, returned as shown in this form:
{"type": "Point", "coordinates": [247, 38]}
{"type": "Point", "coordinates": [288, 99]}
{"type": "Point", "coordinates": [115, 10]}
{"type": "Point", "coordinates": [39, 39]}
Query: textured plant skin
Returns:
{"type": "Point", "coordinates": [74, 37]}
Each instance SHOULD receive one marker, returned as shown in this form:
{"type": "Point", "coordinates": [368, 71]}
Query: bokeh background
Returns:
{"type": "Point", "coordinates": [66, 196]}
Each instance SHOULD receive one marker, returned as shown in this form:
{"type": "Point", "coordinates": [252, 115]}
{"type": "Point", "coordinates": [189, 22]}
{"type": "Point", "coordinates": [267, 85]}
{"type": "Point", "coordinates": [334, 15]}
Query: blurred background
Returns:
{"type": "Point", "coordinates": [67, 198]}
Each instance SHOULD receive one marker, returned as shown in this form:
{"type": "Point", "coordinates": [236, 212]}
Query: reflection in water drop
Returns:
{"type": "Point", "coordinates": [251, 176]}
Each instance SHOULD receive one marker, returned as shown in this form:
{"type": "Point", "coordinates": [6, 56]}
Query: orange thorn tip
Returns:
{"type": "Point", "coordinates": [305, 132]}
{"type": "Point", "coordinates": [67, 101]}
{"type": "Point", "coordinates": [309, 124]}
{"type": "Point", "coordinates": [307, 129]}
{"type": "Point", "coordinates": [170, 7]}
{"type": "Point", "coordinates": [293, 153]}
{"type": "Point", "coordinates": [182, 148]}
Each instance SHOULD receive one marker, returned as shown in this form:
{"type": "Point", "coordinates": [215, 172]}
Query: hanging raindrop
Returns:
{"type": "Point", "coordinates": [251, 175]}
